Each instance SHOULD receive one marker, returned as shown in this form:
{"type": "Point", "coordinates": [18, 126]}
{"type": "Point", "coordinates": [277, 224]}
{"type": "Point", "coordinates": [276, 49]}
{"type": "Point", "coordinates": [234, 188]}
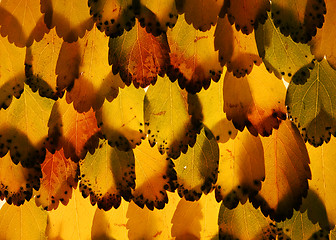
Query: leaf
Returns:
{"type": "Point", "coordinates": [167, 121]}
{"type": "Point", "coordinates": [139, 56]}
{"type": "Point", "coordinates": [201, 14]}
{"type": "Point", "coordinates": [23, 128]}
{"type": "Point", "coordinates": [255, 101]}
{"type": "Point", "coordinates": [70, 18]}
{"type": "Point", "coordinates": [17, 182]}
{"type": "Point", "coordinates": [73, 221]}
{"type": "Point", "coordinates": [112, 16]}
{"type": "Point", "coordinates": [248, 14]}
{"type": "Point", "coordinates": [19, 20]}
{"type": "Point", "coordinates": [299, 19]}
{"type": "Point", "coordinates": [323, 43]}
{"type": "Point", "coordinates": [154, 175]}
{"type": "Point", "coordinates": [11, 71]}
{"type": "Point", "coordinates": [237, 50]}
{"type": "Point", "coordinates": [197, 169]}
{"type": "Point", "coordinates": [311, 105]}
{"type": "Point", "coordinates": [287, 172]}
{"type": "Point", "coordinates": [59, 176]}
{"type": "Point", "coordinates": [107, 175]}
{"type": "Point", "coordinates": [126, 128]}
{"type": "Point", "coordinates": [25, 222]}
{"type": "Point", "coordinates": [281, 54]}
{"type": "Point", "coordinates": [241, 169]}
{"type": "Point", "coordinates": [40, 65]}
{"type": "Point", "coordinates": [193, 58]}
{"type": "Point", "coordinates": [75, 132]}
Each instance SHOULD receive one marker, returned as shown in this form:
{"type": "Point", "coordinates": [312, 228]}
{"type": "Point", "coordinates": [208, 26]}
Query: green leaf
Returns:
{"type": "Point", "coordinates": [312, 105]}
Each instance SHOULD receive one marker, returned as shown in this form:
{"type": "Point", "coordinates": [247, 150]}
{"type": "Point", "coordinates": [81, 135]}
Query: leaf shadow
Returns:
{"type": "Point", "coordinates": [13, 87]}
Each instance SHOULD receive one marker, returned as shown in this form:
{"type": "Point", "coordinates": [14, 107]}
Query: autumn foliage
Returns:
{"type": "Point", "coordinates": [167, 119]}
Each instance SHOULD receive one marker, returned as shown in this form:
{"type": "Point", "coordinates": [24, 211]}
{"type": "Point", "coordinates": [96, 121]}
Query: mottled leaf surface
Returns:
{"type": "Point", "coordinates": [256, 101]}
{"type": "Point", "coordinates": [311, 104]}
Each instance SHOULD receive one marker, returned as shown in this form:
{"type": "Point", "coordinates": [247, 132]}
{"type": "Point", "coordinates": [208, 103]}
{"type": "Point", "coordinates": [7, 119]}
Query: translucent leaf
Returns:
{"type": "Point", "coordinates": [40, 65]}
{"type": "Point", "coordinates": [139, 56]}
{"type": "Point", "coordinates": [11, 72]}
{"type": "Point", "coordinates": [112, 16]}
{"type": "Point", "coordinates": [248, 14]}
{"type": "Point", "coordinates": [107, 175]}
{"type": "Point", "coordinates": [25, 222]}
{"type": "Point", "coordinates": [299, 19]}
{"type": "Point", "coordinates": [17, 182]}
{"type": "Point", "coordinates": [73, 221]}
{"type": "Point", "coordinates": [323, 43]}
{"type": "Point", "coordinates": [23, 128]}
{"type": "Point", "coordinates": [70, 17]}
{"type": "Point", "coordinates": [197, 169]}
{"type": "Point", "coordinates": [201, 14]}
{"type": "Point", "coordinates": [59, 176]}
{"type": "Point", "coordinates": [281, 54]}
{"type": "Point", "coordinates": [167, 120]}
{"type": "Point", "coordinates": [193, 58]}
{"type": "Point", "coordinates": [287, 172]}
{"type": "Point", "coordinates": [237, 50]}
{"type": "Point", "coordinates": [241, 169]}
{"type": "Point", "coordinates": [256, 101]}
{"type": "Point", "coordinates": [19, 21]}
{"type": "Point", "coordinates": [121, 120]}
{"type": "Point", "coordinates": [311, 104]}
{"type": "Point", "coordinates": [154, 175]}
{"type": "Point", "coordinates": [72, 131]}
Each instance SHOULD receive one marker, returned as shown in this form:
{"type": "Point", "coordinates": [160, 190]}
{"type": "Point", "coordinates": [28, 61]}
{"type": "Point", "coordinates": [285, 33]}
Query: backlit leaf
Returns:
{"type": "Point", "coordinates": [197, 169]}
{"type": "Point", "coordinates": [11, 72]}
{"type": "Point", "coordinates": [287, 172]}
{"type": "Point", "coordinates": [323, 43]}
{"type": "Point", "coordinates": [59, 176]}
{"type": "Point", "coordinates": [280, 53]}
{"type": "Point", "coordinates": [112, 16]}
{"type": "Point", "coordinates": [237, 50]}
{"type": "Point", "coordinates": [154, 175]}
{"type": "Point", "coordinates": [17, 182]}
{"type": "Point", "coordinates": [107, 175]}
{"type": "Point", "coordinates": [70, 17]}
{"type": "Point", "coordinates": [167, 121]}
{"type": "Point", "coordinates": [201, 14]}
{"type": "Point", "coordinates": [299, 19]}
{"type": "Point", "coordinates": [241, 169]}
{"type": "Point", "coordinates": [139, 56]}
{"type": "Point", "coordinates": [247, 14]}
{"type": "Point", "coordinates": [193, 58]}
{"type": "Point", "coordinates": [256, 101]}
{"type": "Point", "coordinates": [25, 222]}
{"type": "Point", "coordinates": [121, 120]}
{"type": "Point", "coordinates": [23, 128]}
{"type": "Point", "coordinates": [311, 104]}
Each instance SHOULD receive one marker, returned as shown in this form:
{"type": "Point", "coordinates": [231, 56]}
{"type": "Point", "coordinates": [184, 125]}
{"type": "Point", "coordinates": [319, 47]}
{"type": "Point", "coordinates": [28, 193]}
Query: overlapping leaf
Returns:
{"type": "Point", "coordinates": [71, 18]}
{"type": "Point", "coordinates": [237, 50]}
{"type": "Point", "coordinates": [59, 176]}
{"type": "Point", "coordinates": [197, 169]}
{"type": "Point", "coordinates": [121, 120]}
{"type": "Point", "coordinates": [280, 53]}
{"type": "Point", "coordinates": [311, 104]}
{"type": "Point", "coordinates": [107, 175]}
{"type": "Point", "coordinates": [139, 56]}
{"type": "Point", "coordinates": [241, 169]}
{"type": "Point", "coordinates": [193, 58]}
{"type": "Point", "coordinates": [255, 101]}
{"type": "Point", "coordinates": [287, 172]}
{"type": "Point", "coordinates": [299, 19]}
{"type": "Point", "coordinates": [23, 128]}
{"type": "Point", "coordinates": [25, 222]}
